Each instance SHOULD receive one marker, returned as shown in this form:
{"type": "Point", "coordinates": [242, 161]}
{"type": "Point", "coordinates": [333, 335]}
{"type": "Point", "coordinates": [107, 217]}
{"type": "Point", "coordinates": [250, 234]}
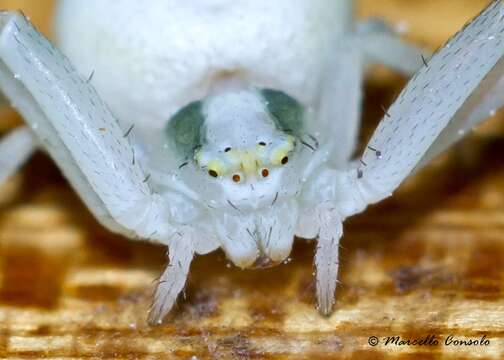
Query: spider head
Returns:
{"type": "Point", "coordinates": [242, 141]}
{"type": "Point", "coordinates": [244, 165]}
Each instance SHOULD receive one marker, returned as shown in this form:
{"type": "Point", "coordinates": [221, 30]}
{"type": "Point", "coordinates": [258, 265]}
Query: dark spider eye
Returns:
{"type": "Point", "coordinates": [285, 160]}
{"type": "Point", "coordinates": [265, 172]}
{"type": "Point", "coordinates": [227, 149]}
{"type": "Point", "coordinates": [262, 143]}
{"type": "Point", "coordinates": [236, 178]}
{"type": "Point", "coordinates": [213, 173]}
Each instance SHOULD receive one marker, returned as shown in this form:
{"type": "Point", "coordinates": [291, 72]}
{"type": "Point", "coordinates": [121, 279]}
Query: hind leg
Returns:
{"type": "Point", "coordinates": [382, 45]}
{"type": "Point", "coordinates": [15, 148]}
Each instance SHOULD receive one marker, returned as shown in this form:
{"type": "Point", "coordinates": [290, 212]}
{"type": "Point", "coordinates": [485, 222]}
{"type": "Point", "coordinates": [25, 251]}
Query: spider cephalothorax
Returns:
{"type": "Point", "coordinates": [244, 161]}
{"type": "Point", "coordinates": [244, 136]}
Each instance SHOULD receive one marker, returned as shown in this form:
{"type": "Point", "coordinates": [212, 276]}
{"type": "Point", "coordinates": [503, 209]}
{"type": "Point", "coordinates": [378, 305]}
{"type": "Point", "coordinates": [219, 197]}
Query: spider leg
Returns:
{"type": "Point", "coordinates": [338, 115]}
{"type": "Point", "coordinates": [381, 45]}
{"type": "Point", "coordinates": [47, 137]}
{"type": "Point", "coordinates": [344, 16]}
{"type": "Point", "coordinates": [80, 133]}
{"type": "Point", "coordinates": [339, 110]}
{"type": "Point", "coordinates": [15, 148]}
{"type": "Point", "coordinates": [326, 256]}
{"type": "Point", "coordinates": [414, 121]}
{"type": "Point", "coordinates": [430, 101]}
{"type": "Point", "coordinates": [483, 103]}
{"type": "Point", "coordinates": [173, 279]}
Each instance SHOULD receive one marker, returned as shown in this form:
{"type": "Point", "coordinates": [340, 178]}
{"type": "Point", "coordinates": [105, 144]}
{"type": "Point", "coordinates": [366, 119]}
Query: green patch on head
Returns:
{"type": "Point", "coordinates": [287, 113]}
{"type": "Point", "coordinates": [185, 129]}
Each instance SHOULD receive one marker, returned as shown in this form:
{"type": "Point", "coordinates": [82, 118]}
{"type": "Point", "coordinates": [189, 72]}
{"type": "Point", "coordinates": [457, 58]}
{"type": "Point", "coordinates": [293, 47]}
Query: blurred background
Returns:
{"type": "Point", "coordinates": [427, 261]}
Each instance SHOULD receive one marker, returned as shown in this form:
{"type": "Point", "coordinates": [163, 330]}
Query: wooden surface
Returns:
{"type": "Point", "coordinates": [429, 261]}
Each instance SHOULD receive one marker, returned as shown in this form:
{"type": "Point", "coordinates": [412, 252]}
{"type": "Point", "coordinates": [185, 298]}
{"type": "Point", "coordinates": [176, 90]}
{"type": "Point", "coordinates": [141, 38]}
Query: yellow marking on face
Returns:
{"type": "Point", "coordinates": [253, 162]}
{"type": "Point", "coordinates": [218, 166]}
{"type": "Point", "coordinates": [234, 157]}
{"type": "Point", "coordinates": [281, 151]}
{"type": "Point", "coordinates": [249, 161]}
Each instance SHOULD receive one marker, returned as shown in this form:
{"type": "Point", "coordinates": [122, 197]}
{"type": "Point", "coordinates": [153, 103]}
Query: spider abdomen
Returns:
{"type": "Point", "coordinates": [150, 61]}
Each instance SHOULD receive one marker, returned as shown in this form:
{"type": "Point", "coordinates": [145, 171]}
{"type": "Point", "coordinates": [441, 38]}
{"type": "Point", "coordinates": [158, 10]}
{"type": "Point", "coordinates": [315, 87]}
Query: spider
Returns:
{"type": "Point", "coordinates": [224, 124]}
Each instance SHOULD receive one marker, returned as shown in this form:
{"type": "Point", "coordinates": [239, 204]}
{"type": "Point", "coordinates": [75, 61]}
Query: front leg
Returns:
{"type": "Point", "coordinates": [412, 124]}
{"type": "Point", "coordinates": [173, 279]}
{"type": "Point", "coordinates": [94, 153]}
{"type": "Point", "coordinates": [441, 102]}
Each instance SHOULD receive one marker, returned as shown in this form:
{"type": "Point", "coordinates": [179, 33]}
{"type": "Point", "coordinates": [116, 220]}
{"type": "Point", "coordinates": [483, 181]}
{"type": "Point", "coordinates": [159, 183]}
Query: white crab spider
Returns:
{"type": "Point", "coordinates": [261, 150]}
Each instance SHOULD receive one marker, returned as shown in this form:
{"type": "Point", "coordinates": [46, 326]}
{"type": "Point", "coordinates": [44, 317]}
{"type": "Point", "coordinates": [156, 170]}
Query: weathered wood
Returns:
{"type": "Point", "coordinates": [429, 261]}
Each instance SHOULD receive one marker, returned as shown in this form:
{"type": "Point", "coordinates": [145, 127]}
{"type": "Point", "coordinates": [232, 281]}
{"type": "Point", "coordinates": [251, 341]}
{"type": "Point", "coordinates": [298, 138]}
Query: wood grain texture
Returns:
{"type": "Point", "coordinates": [428, 261]}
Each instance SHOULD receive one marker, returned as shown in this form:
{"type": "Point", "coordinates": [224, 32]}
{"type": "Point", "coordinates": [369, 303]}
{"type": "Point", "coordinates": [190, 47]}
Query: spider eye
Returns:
{"type": "Point", "coordinates": [265, 173]}
{"type": "Point", "coordinates": [236, 178]}
{"type": "Point", "coordinates": [262, 143]}
{"type": "Point", "coordinates": [215, 167]}
{"type": "Point", "coordinates": [228, 149]}
{"type": "Point", "coordinates": [280, 154]}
